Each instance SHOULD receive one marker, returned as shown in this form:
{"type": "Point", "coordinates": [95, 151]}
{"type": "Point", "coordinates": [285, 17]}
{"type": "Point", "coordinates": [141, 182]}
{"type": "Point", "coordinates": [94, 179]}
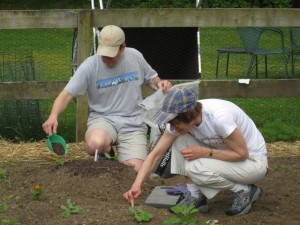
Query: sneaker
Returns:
{"type": "Point", "coordinates": [242, 201]}
{"type": "Point", "coordinates": [188, 200]}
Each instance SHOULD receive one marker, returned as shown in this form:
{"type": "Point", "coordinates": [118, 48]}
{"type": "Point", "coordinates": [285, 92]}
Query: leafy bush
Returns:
{"type": "Point", "coordinates": [247, 4]}
{"type": "Point", "coordinates": [64, 4]}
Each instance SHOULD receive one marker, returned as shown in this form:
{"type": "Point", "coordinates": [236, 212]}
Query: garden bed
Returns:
{"type": "Point", "coordinates": [98, 187]}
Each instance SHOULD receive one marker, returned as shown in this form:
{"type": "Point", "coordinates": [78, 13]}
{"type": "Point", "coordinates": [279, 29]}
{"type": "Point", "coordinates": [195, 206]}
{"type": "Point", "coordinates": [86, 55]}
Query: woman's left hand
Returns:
{"type": "Point", "coordinates": [194, 152]}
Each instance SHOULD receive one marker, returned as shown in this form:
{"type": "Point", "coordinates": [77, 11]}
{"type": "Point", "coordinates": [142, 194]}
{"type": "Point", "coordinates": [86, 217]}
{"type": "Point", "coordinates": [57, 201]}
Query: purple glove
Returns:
{"type": "Point", "coordinates": [177, 190]}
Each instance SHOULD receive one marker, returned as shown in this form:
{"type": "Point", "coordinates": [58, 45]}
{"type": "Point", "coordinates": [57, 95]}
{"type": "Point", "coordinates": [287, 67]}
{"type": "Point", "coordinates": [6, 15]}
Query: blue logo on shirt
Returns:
{"type": "Point", "coordinates": [123, 78]}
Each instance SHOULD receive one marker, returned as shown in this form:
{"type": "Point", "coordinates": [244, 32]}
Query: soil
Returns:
{"type": "Point", "coordinates": [98, 187]}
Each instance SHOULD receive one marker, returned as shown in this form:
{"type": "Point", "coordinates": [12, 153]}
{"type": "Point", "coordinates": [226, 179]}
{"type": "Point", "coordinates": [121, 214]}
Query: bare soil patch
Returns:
{"type": "Point", "coordinates": [98, 187]}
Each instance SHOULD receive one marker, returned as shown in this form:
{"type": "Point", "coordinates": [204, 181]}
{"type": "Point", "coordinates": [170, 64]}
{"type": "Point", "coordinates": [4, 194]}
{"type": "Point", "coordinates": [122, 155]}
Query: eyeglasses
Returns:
{"type": "Point", "coordinates": [174, 124]}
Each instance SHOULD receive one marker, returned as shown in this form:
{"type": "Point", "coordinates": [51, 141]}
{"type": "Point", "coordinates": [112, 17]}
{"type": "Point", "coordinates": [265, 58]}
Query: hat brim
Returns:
{"type": "Point", "coordinates": [164, 117]}
{"type": "Point", "coordinates": [107, 51]}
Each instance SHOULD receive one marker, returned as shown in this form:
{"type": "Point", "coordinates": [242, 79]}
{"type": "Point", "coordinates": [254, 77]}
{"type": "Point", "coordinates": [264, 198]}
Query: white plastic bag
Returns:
{"type": "Point", "coordinates": [153, 103]}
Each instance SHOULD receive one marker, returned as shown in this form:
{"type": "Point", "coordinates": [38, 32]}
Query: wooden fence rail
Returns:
{"type": "Point", "coordinates": [68, 18]}
{"type": "Point", "coordinates": [207, 89]}
{"type": "Point", "coordinates": [84, 20]}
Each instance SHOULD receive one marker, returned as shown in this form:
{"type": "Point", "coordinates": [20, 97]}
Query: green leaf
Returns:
{"type": "Point", "coordinates": [146, 216]}
{"type": "Point", "coordinates": [177, 209]}
{"type": "Point", "coordinates": [66, 213]}
{"type": "Point", "coordinates": [132, 210]}
{"type": "Point", "coordinates": [3, 207]}
{"type": "Point", "coordinates": [139, 209]}
{"type": "Point", "coordinates": [107, 155]}
{"type": "Point", "coordinates": [69, 203]}
{"type": "Point", "coordinates": [63, 207]}
{"type": "Point", "coordinates": [138, 218]}
{"type": "Point", "coordinates": [172, 220]}
{"type": "Point", "coordinates": [76, 209]}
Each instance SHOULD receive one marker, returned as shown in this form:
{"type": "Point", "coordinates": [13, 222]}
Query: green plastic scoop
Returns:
{"type": "Point", "coordinates": [57, 144]}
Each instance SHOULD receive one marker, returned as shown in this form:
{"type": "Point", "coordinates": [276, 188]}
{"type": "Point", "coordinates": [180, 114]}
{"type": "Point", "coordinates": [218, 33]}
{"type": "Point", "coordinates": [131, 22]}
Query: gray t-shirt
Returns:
{"type": "Point", "coordinates": [114, 93]}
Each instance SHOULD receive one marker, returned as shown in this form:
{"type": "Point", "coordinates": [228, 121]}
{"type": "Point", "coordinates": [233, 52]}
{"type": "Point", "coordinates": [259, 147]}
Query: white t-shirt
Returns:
{"type": "Point", "coordinates": [219, 119]}
{"type": "Point", "coordinates": [114, 93]}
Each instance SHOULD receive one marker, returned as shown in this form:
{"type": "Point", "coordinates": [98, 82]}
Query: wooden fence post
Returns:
{"type": "Point", "coordinates": [84, 29]}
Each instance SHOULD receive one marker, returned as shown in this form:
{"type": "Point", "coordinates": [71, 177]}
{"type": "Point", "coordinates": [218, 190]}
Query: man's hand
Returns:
{"type": "Point", "coordinates": [132, 194]}
{"type": "Point", "coordinates": [50, 126]}
{"type": "Point", "coordinates": [164, 85]}
{"type": "Point", "coordinates": [156, 83]}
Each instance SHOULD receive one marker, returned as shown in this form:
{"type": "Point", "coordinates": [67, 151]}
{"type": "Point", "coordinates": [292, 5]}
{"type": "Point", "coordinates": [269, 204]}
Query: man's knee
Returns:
{"type": "Point", "coordinates": [97, 139]}
{"type": "Point", "coordinates": [135, 163]}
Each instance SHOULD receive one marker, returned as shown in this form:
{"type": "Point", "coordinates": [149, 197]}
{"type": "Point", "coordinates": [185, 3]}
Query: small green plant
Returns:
{"type": "Point", "coordinates": [140, 215]}
{"type": "Point", "coordinates": [183, 216]}
{"type": "Point", "coordinates": [69, 209]}
{"type": "Point", "coordinates": [6, 221]}
{"type": "Point", "coordinates": [2, 173]}
{"type": "Point", "coordinates": [60, 161]}
{"type": "Point", "coordinates": [3, 206]}
{"type": "Point", "coordinates": [109, 157]}
{"type": "Point", "coordinates": [6, 199]}
{"type": "Point", "coordinates": [18, 198]}
{"type": "Point", "coordinates": [37, 192]}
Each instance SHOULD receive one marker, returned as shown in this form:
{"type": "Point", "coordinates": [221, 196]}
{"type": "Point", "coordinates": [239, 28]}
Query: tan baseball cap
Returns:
{"type": "Point", "coordinates": [109, 40]}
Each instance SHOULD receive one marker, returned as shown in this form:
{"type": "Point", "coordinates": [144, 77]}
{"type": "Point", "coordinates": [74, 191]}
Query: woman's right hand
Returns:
{"type": "Point", "coordinates": [132, 194]}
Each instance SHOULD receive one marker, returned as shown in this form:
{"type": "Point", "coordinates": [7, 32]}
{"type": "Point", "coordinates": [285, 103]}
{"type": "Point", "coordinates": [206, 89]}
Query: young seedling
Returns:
{"type": "Point", "coordinates": [2, 173]}
{"type": "Point", "coordinates": [184, 216]}
{"type": "Point", "coordinates": [60, 161]}
{"type": "Point", "coordinates": [140, 215]}
{"type": "Point", "coordinates": [70, 209]}
{"type": "Point", "coordinates": [4, 205]}
{"type": "Point", "coordinates": [109, 157]}
{"type": "Point", "coordinates": [8, 222]}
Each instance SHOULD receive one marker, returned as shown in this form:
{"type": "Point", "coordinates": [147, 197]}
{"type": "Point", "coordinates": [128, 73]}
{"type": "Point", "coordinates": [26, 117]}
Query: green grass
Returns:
{"type": "Point", "coordinates": [277, 118]}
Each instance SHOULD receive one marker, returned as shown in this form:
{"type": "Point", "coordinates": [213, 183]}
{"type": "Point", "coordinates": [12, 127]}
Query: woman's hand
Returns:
{"type": "Point", "coordinates": [195, 152]}
{"type": "Point", "coordinates": [132, 194]}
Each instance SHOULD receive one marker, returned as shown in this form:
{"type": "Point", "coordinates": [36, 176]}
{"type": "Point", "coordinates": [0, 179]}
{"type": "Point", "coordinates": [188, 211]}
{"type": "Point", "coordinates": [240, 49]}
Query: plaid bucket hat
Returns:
{"type": "Point", "coordinates": [176, 101]}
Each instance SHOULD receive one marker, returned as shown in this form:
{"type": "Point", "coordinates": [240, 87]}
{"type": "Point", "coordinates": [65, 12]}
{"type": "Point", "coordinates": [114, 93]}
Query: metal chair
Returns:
{"type": "Point", "coordinates": [227, 51]}
{"type": "Point", "coordinates": [250, 38]}
{"type": "Point", "coordinates": [295, 46]}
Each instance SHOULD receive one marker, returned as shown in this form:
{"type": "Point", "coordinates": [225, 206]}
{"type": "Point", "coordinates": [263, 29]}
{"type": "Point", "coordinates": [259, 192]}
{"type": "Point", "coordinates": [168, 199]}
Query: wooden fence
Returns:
{"type": "Point", "coordinates": [84, 20]}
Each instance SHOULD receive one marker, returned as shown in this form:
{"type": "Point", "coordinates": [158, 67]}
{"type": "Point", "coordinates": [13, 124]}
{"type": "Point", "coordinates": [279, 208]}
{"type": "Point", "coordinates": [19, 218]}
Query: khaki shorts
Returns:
{"type": "Point", "coordinates": [130, 145]}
